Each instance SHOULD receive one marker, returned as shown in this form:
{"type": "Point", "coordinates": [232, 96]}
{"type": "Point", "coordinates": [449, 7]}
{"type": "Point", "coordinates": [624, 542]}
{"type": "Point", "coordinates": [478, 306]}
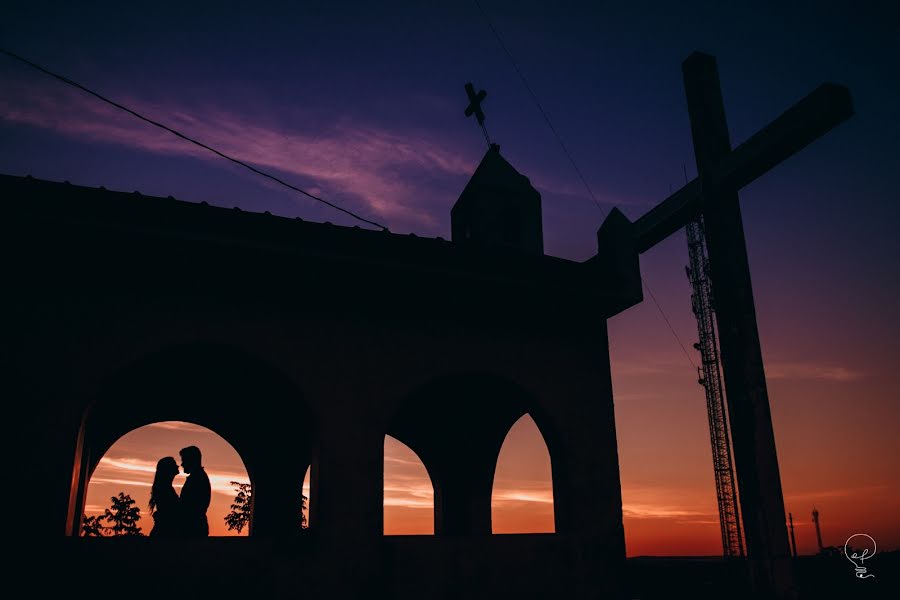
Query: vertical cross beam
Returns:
{"type": "Point", "coordinates": [756, 461]}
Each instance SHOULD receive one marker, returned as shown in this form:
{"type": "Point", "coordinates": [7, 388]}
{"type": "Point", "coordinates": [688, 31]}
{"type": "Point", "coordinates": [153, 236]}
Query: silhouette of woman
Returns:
{"type": "Point", "coordinates": [164, 502]}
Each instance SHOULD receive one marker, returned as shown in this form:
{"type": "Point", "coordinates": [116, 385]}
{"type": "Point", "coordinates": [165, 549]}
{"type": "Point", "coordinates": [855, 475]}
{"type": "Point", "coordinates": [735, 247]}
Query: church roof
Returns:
{"type": "Point", "coordinates": [496, 171]}
{"type": "Point", "coordinates": [61, 217]}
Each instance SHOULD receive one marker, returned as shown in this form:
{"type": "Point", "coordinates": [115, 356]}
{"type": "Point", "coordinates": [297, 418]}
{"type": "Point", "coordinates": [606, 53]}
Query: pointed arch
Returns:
{"type": "Point", "coordinates": [306, 495]}
{"type": "Point", "coordinates": [522, 494]}
{"type": "Point", "coordinates": [457, 424]}
{"type": "Point", "coordinates": [408, 491]}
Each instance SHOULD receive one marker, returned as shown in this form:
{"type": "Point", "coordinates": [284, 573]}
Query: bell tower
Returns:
{"type": "Point", "coordinates": [498, 207]}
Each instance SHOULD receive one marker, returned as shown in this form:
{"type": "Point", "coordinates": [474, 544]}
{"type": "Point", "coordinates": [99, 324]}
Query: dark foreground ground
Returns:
{"type": "Point", "coordinates": [652, 578]}
{"type": "Point", "coordinates": [518, 567]}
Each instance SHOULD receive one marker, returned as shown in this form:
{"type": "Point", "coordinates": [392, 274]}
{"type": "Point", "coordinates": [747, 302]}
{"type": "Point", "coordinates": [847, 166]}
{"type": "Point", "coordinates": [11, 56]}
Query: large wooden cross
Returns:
{"type": "Point", "coordinates": [714, 193]}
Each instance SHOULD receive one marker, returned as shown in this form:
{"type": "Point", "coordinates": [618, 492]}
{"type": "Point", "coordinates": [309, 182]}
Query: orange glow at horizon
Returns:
{"type": "Point", "coordinates": [666, 512]}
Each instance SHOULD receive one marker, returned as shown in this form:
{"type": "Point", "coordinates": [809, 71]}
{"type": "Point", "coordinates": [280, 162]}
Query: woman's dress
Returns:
{"type": "Point", "coordinates": [166, 517]}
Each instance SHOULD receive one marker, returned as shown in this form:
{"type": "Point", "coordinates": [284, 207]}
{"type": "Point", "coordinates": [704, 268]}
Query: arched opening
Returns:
{"type": "Point", "coordinates": [522, 496]}
{"type": "Point", "coordinates": [129, 465]}
{"type": "Point", "coordinates": [408, 491]}
{"type": "Point", "coordinates": [456, 426]}
{"type": "Point", "coordinates": [245, 400]}
{"type": "Point", "coordinates": [306, 497]}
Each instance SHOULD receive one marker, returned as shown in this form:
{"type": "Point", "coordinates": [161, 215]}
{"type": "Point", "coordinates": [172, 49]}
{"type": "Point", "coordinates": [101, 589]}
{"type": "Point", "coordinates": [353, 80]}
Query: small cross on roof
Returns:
{"type": "Point", "coordinates": [474, 108]}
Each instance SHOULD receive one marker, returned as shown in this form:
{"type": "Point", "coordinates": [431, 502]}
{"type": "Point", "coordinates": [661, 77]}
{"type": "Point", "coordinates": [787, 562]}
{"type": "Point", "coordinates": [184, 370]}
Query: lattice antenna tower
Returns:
{"type": "Point", "coordinates": [710, 377]}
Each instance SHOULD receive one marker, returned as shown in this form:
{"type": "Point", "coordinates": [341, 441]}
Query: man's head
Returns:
{"type": "Point", "coordinates": [190, 459]}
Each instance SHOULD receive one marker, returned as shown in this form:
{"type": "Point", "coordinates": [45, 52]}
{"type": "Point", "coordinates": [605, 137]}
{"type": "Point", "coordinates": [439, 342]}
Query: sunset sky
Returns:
{"type": "Point", "coordinates": [362, 103]}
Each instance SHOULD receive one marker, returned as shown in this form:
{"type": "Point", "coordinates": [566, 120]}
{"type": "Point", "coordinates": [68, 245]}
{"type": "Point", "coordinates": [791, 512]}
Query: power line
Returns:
{"type": "Point", "coordinates": [568, 154]}
{"type": "Point", "coordinates": [672, 329]}
{"type": "Point", "coordinates": [537, 103]}
{"type": "Point", "coordinates": [186, 138]}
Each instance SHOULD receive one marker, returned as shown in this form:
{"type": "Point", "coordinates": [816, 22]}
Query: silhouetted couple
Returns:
{"type": "Point", "coordinates": [184, 516]}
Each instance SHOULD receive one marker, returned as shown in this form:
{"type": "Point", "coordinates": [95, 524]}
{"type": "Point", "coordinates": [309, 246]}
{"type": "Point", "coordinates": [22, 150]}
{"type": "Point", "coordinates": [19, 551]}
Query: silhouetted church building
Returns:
{"type": "Point", "coordinates": [306, 344]}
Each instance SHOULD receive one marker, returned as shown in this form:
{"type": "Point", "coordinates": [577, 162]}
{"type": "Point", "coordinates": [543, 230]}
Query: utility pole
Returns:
{"type": "Point", "coordinates": [815, 515]}
{"type": "Point", "coordinates": [793, 541]}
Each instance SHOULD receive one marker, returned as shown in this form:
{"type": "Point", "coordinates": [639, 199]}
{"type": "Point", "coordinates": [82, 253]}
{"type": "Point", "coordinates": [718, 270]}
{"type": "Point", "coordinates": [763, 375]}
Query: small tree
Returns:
{"type": "Point", "coordinates": [239, 517]}
{"type": "Point", "coordinates": [93, 526]}
{"type": "Point", "coordinates": [124, 515]}
{"type": "Point", "coordinates": [303, 499]}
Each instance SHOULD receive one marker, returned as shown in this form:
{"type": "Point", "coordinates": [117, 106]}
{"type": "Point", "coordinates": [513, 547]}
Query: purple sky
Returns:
{"type": "Point", "coordinates": [362, 103]}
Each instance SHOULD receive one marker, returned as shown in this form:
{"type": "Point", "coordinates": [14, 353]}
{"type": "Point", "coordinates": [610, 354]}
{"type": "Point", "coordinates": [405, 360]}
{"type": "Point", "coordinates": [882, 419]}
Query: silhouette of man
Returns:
{"type": "Point", "coordinates": [195, 494]}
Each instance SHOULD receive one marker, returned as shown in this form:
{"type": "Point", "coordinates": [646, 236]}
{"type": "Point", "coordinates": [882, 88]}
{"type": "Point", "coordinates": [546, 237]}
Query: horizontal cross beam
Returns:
{"type": "Point", "coordinates": [809, 119]}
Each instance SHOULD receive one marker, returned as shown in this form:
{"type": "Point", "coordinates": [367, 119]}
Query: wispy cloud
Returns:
{"type": "Point", "coordinates": [407, 485]}
{"type": "Point", "coordinates": [647, 367]}
{"type": "Point", "coordinates": [813, 495]}
{"type": "Point", "coordinates": [657, 502]}
{"type": "Point", "coordinates": [371, 164]}
{"type": "Point", "coordinates": [408, 491]}
{"type": "Point", "coordinates": [507, 496]}
{"type": "Point", "coordinates": [179, 426]}
{"type": "Point", "coordinates": [131, 465]}
{"type": "Point", "coordinates": [774, 370]}
{"type": "Point", "coordinates": [139, 473]}
{"type": "Point", "coordinates": [406, 481]}
{"type": "Point", "coordinates": [401, 461]}
{"type": "Point", "coordinates": [406, 499]}
{"type": "Point", "coordinates": [656, 511]}
{"type": "Point", "coordinates": [833, 373]}
{"type": "Point", "coordinates": [124, 481]}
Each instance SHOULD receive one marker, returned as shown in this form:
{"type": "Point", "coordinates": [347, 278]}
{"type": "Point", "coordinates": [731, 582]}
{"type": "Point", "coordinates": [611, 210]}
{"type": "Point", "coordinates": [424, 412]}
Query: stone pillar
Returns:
{"type": "Point", "coordinates": [755, 457]}
{"type": "Point", "coordinates": [277, 490]}
{"type": "Point", "coordinates": [463, 486]}
{"type": "Point", "coordinates": [586, 490]}
{"type": "Point", "coordinates": [577, 419]}
{"type": "Point", "coordinates": [348, 479]}
{"type": "Point", "coordinates": [579, 428]}
{"type": "Point", "coordinates": [43, 418]}
{"type": "Point", "coordinates": [347, 506]}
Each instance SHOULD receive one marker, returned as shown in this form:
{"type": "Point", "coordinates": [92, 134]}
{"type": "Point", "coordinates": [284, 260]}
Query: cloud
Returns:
{"type": "Point", "coordinates": [413, 492]}
{"type": "Point", "coordinates": [139, 473]}
{"type": "Point", "coordinates": [812, 371]}
{"type": "Point", "coordinates": [180, 426]}
{"type": "Point", "coordinates": [127, 464]}
{"type": "Point", "coordinates": [402, 461]}
{"type": "Point", "coordinates": [657, 502]}
{"type": "Point", "coordinates": [408, 492]}
{"type": "Point", "coordinates": [372, 165]}
{"type": "Point", "coordinates": [221, 482]}
{"type": "Point", "coordinates": [502, 497]}
{"type": "Point", "coordinates": [774, 370]}
{"type": "Point", "coordinates": [121, 481]}
{"type": "Point", "coordinates": [406, 481]}
{"type": "Point", "coordinates": [407, 485]}
{"type": "Point", "coordinates": [813, 495]}
{"type": "Point", "coordinates": [647, 367]}
{"type": "Point", "coordinates": [656, 511]}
